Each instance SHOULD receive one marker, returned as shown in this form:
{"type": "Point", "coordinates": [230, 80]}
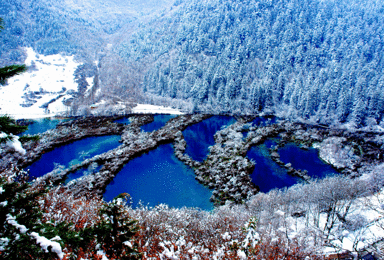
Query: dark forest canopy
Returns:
{"type": "Point", "coordinates": [318, 60]}
{"type": "Point", "coordinates": [68, 26]}
{"type": "Point", "coordinates": [310, 59]}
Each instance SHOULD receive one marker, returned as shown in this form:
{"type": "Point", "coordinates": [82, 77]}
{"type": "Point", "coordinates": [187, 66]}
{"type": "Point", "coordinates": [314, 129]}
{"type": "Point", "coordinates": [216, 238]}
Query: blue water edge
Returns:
{"type": "Point", "coordinates": [124, 120]}
{"type": "Point", "coordinates": [304, 159]}
{"type": "Point", "coordinates": [201, 135]}
{"type": "Point", "coordinates": [73, 153]}
{"type": "Point", "coordinates": [93, 168]}
{"type": "Point", "coordinates": [264, 121]}
{"type": "Point", "coordinates": [42, 125]}
{"type": "Point", "coordinates": [158, 122]}
{"type": "Point", "coordinates": [159, 177]}
{"type": "Point", "coordinates": [267, 174]}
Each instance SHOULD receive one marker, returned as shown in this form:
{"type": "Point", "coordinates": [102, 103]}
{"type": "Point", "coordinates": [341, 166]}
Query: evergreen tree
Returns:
{"type": "Point", "coordinates": [9, 71]}
{"type": "Point", "coordinates": [117, 229]}
{"type": "Point", "coordinates": [8, 126]}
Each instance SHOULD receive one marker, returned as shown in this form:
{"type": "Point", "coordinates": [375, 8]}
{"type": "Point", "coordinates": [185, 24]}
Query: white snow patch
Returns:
{"type": "Point", "coordinates": [279, 213]}
{"type": "Point", "coordinates": [102, 254]}
{"type": "Point", "coordinates": [226, 236]}
{"type": "Point", "coordinates": [90, 82]}
{"type": "Point", "coordinates": [151, 109]}
{"type": "Point", "coordinates": [128, 244]}
{"type": "Point", "coordinates": [12, 221]}
{"type": "Point", "coordinates": [16, 145]}
{"type": "Point", "coordinates": [4, 241]}
{"type": "Point", "coordinates": [46, 77]}
{"type": "Point", "coordinates": [241, 254]}
{"type": "Point", "coordinates": [45, 243]}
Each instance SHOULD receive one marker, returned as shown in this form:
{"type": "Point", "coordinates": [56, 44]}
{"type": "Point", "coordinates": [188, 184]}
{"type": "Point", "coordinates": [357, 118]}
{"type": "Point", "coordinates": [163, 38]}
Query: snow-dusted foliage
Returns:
{"type": "Point", "coordinates": [335, 153]}
{"type": "Point", "coordinates": [35, 224]}
{"type": "Point", "coordinates": [310, 59]}
{"type": "Point", "coordinates": [169, 233]}
{"type": "Point", "coordinates": [306, 220]}
{"type": "Point", "coordinates": [330, 215]}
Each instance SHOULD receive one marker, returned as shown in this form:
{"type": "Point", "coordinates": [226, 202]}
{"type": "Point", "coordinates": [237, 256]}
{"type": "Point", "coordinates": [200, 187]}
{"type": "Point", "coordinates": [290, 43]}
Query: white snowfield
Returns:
{"type": "Point", "coordinates": [151, 109]}
{"type": "Point", "coordinates": [14, 144]}
{"type": "Point", "coordinates": [48, 78]}
{"type": "Point", "coordinates": [124, 107]}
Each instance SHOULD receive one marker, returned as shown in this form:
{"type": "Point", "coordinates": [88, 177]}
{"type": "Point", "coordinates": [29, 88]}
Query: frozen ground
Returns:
{"type": "Point", "coordinates": [151, 109]}
{"type": "Point", "coordinates": [49, 79]}
{"type": "Point", "coordinates": [40, 92]}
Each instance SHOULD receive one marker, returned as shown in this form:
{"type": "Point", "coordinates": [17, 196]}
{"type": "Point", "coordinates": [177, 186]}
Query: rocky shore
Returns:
{"type": "Point", "coordinates": [134, 143]}
{"type": "Point", "coordinates": [226, 169]}
{"type": "Point", "coordinates": [63, 134]}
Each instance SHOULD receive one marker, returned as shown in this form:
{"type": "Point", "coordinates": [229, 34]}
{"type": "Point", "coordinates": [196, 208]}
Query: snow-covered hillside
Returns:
{"type": "Point", "coordinates": [40, 91]}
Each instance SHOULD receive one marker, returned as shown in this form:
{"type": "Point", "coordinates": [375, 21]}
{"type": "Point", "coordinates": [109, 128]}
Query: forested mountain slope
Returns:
{"type": "Point", "coordinates": [311, 59]}
{"type": "Point", "coordinates": [316, 60]}
{"type": "Point", "coordinates": [87, 29]}
{"type": "Point", "coordinates": [67, 26]}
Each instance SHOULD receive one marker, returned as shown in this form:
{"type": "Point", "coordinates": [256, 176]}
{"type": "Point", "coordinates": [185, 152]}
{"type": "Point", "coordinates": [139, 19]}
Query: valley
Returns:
{"type": "Point", "coordinates": [228, 174]}
{"type": "Point", "coordinates": [177, 129]}
{"type": "Point", "coordinates": [225, 165]}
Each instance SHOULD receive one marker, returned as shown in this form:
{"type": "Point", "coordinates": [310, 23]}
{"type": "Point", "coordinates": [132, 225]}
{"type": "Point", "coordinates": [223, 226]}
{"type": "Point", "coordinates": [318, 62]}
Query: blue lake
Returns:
{"type": "Point", "coordinates": [305, 160]}
{"type": "Point", "coordinates": [159, 177]}
{"type": "Point", "coordinates": [268, 174]}
{"type": "Point", "coordinates": [269, 143]}
{"type": "Point", "coordinates": [124, 120]}
{"type": "Point", "coordinates": [42, 125]}
{"type": "Point", "coordinates": [201, 135]}
{"type": "Point", "coordinates": [80, 173]}
{"type": "Point", "coordinates": [73, 153]}
{"type": "Point", "coordinates": [264, 121]}
{"type": "Point", "coordinates": [158, 122]}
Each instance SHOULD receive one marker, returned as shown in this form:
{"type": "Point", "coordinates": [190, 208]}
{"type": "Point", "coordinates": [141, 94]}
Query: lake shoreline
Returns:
{"type": "Point", "coordinates": [226, 169]}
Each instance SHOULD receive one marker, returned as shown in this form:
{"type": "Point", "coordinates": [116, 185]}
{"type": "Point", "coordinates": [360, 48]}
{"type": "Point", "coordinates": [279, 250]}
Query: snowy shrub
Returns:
{"type": "Point", "coordinates": [41, 224]}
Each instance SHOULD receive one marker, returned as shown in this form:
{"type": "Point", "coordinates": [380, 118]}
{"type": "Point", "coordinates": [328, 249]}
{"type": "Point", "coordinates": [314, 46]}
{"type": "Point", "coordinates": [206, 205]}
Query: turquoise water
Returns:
{"type": "Point", "coordinates": [42, 125]}
{"type": "Point", "coordinates": [305, 160]}
{"type": "Point", "coordinates": [201, 135]}
{"type": "Point", "coordinates": [270, 143]}
{"type": "Point", "coordinates": [159, 177]}
{"type": "Point", "coordinates": [158, 122]}
{"type": "Point", "coordinates": [267, 174]}
{"type": "Point", "coordinates": [73, 153]}
{"type": "Point", "coordinates": [80, 173]}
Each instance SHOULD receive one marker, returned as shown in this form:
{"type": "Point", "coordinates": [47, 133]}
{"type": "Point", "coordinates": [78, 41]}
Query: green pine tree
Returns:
{"type": "Point", "coordinates": [12, 70]}
{"type": "Point", "coordinates": [115, 229]}
{"type": "Point", "coordinates": [8, 125]}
